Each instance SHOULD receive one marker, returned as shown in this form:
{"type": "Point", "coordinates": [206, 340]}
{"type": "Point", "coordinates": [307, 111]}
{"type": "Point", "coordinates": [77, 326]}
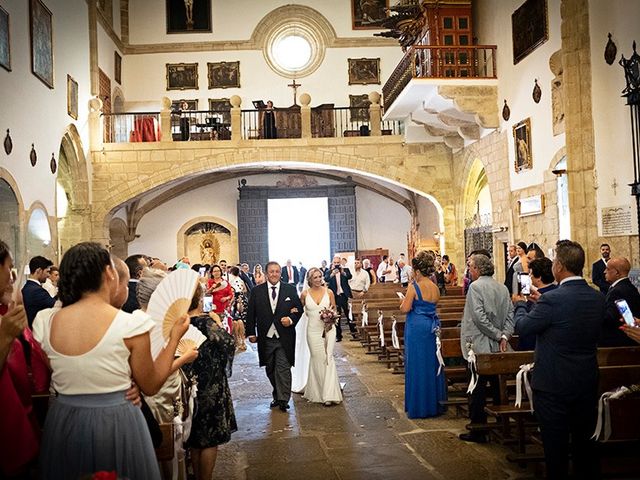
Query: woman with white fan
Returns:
{"type": "Point", "coordinates": [94, 351]}
{"type": "Point", "coordinates": [214, 420]}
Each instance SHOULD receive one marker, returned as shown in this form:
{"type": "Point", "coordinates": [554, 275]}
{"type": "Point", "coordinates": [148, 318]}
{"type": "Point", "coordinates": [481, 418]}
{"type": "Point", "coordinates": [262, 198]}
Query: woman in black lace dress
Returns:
{"type": "Point", "coordinates": [214, 420]}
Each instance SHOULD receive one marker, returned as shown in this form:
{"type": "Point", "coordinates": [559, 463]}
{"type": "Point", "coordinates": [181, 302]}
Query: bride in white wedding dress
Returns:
{"type": "Point", "coordinates": [322, 385]}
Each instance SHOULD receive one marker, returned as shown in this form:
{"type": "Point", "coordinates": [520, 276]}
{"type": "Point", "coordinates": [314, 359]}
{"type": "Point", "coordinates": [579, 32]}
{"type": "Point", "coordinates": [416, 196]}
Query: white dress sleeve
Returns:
{"type": "Point", "coordinates": [136, 323]}
{"type": "Point", "coordinates": [41, 324]}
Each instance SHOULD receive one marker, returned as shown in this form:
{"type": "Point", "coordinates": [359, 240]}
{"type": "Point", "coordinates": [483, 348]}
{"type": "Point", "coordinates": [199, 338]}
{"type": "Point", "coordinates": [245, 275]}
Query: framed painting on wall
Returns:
{"type": "Point", "coordinates": [359, 108]}
{"type": "Point", "coordinates": [41, 23]}
{"type": "Point", "coordinates": [367, 14]}
{"type": "Point", "coordinates": [522, 145]}
{"type": "Point", "coordinates": [182, 76]}
{"type": "Point", "coordinates": [221, 106]}
{"type": "Point", "coordinates": [188, 16]}
{"type": "Point", "coordinates": [529, 28]}
{"type": "Point", "coordinates": [176, 105]}
{"type": "Point", "coordinates": [5, 43]}
{"type": "Point", "coordinates": [72, 97]}
{"type": "Point", "coordinates": [224, 74]}
{"type": "Point", "coordinates": [363, 71]}
{"type": "Point", "coordinates": [117, 67]}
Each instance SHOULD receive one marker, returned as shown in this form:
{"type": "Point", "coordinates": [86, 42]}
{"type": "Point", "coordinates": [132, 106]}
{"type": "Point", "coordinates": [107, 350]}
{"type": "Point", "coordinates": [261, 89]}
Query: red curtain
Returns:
{"type": "Point", "coordinates": [146, 129]}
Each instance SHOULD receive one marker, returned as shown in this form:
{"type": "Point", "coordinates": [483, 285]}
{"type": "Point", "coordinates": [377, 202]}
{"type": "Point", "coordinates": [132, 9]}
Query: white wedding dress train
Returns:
{"type": "Point", "coordinates": [300, 372]}
{"type": "Point", "coordinates": [322, 383]}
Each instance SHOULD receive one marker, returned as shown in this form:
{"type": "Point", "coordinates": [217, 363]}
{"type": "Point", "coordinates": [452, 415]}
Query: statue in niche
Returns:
{"type": "Point", "coordinates": [557, 92]}
{"type": "Point", "coordinates": [209, 248]}
{"type": "Point", "coordinates": [297, 181]}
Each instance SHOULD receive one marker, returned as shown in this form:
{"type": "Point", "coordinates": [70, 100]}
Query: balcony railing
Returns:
{"type": "Point", "coordinates": [322, 122]}
{"type": "Point", "coordinates": [437, 61]}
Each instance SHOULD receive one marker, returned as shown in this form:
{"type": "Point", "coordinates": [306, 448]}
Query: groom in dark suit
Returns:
{"type": "Point", "coordinates": [273, 311]}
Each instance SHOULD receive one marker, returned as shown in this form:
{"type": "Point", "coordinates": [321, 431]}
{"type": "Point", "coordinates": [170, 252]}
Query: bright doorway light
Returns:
{"type": "Point", "coordinates": [299, 230]}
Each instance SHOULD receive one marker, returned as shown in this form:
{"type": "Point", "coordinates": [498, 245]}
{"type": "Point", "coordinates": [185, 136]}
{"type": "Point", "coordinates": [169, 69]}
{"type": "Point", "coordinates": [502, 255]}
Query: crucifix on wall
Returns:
{"type": "Point", "coordinates": [295, 86]}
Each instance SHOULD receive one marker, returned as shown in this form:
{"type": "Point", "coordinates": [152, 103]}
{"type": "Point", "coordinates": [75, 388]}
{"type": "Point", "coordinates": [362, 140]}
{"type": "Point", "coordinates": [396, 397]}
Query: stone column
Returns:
{"type": "Point", "coordinates": [375, 115]}
{"type": "Point", "coordinates": [165, 120]}
{"type": "Point", "coordinates": [305, 112]}
{"type": "Point", "coordinates": [236, 118]}
{"type": "Point", "coordinates": [95, 124]}
{"type": "Point", "coordinates": [576, 59]}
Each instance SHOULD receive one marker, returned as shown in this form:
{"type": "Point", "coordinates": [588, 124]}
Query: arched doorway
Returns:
{"type": "Point", "coordinates": [10, 218]}
{"type": "Point", "coordinates": [39, 238]}
{"type": "Point", "coordinates": [478, 216]}
{"type": "Point", "coordinates": [72, 192]}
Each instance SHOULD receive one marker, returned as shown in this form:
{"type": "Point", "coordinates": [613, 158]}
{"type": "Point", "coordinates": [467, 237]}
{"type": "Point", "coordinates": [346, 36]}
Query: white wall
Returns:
{"type": "Point", "coordinates": [516, 82]}
{"type": "Point", "coordinates": [611, 119]}
{"type": "Point", "coordinates": [380, 221]}
{"type": "Point", "coordinates": [33, 112]}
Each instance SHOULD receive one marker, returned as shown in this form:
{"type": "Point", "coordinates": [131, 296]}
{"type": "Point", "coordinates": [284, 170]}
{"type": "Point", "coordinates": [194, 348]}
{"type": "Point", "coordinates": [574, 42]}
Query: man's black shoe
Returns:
{"type": "Point", "coordinates": [274, 404]}
{"type": "Point", "coordinates": [473, 437]}
{"type": "Point", "coordinates": [284, 406]}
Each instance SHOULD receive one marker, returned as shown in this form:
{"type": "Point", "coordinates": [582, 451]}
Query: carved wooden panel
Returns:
{"type": "Point", "coordinates": [253, 234]}
{"type": "Point", "coordinates": [342, 224]}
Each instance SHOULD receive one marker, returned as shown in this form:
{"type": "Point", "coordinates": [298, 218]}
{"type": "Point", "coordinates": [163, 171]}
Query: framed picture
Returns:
{"type": "Point", "coordinates": [72, 97]}
{"type": "Point", "coordinates": [522, 145]}
{"type": "Point", "coordinates": [531, 206]}
{"type": "Point", "coordinates": [184, 16]}
{"type": "Point", "coordinates": [221, 106]}
{"type": "Point", "coordinates": [366, 14]}
{"type": "Point", "coordinates": [182, 76]}
{"type": "Point", "coordinates": [363, 71]}
{"type": "Point", "coordinates": [529, 28]}
{"type": "Point", "coordinates": [177, 105]}
{"type": "Point", "coordinates": [224, 74]}
{"type": "Point", "coordinates": [40, 20]}
{"type": "Point", "coordinates": [5, 43]}
{"type": "Point", "coordinates": [117, 67]}
{"type": "Point", "coordinates": [359, 108]}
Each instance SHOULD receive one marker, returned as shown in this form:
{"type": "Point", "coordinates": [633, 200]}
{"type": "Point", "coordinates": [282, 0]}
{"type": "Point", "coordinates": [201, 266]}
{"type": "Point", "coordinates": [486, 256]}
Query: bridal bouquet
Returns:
{"type": "Point", "coordinates": [328, 317]}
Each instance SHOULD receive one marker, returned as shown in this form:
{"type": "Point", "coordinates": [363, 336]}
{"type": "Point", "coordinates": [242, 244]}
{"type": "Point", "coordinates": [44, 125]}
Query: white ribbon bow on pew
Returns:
{"type": "Point", "coordinates": [365, 316]}
{"type": "Point", "coordinates": [381, 327]}
{"type": "Point", "coordinates": [395, 341]}
{"type": "Point", "coordinates": [439, 353]}
{"type": "Point", "coordinates": [471, 361]}
{"type": "Point", "coordinates": [350, 313]}
{"type": "Point", "coordinates": [522, 377]}
{"type": "Point", "coordinates": [603, 407]}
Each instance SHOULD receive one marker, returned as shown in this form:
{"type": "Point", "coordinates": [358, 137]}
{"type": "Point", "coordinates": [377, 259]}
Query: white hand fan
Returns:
{"type": "Point", "coordinates": [170, 301]}
{"type": "Point", "coordinates": [192, 339]}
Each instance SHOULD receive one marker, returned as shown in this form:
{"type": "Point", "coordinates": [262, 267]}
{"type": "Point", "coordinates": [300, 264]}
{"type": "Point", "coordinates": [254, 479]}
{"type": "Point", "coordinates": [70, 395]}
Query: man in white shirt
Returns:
{"type": "Point", "coordinates": [51, 283]}
{"type": "Point", "coordinates": [383, 269]}
{"type": "Point", "coordinates": [405, 272]}
{"type": "Point", "coordinates": [360, 280]}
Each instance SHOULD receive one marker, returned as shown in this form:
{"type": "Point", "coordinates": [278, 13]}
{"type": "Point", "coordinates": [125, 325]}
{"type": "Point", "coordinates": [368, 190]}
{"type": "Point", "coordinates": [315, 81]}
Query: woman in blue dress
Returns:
{"type": "Point", "coordinates": [424, 387]}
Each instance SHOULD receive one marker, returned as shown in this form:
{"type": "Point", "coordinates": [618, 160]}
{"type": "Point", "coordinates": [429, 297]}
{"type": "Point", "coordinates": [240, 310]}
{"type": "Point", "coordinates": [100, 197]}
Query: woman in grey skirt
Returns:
{"type": "Point", "coordinates": [94, 351]}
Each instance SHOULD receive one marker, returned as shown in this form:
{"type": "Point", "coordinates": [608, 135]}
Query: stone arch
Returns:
{"type": "Point", "coordinates": [47, 249]}
{"type": "Point", "coordinates": [118, 233]}
{"type": "Point", "coordinates": [73, 179]}
{"type": "Point", "coordinates": [12, 227]}
{"type": "Point", "coordinates": [118, 100]}
{"type": "Point", "coordinates": [181, 239]}
{"type": "Point", "coordinates": [293, 13]}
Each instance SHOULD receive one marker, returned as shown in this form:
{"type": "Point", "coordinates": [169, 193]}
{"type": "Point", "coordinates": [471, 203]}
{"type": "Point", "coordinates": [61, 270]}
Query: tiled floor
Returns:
{"type": "Point", "coordinates": [367, 437]}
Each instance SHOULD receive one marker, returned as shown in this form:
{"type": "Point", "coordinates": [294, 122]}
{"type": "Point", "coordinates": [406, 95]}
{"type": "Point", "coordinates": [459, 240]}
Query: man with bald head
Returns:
{"type": "Point", "coordinates": [120, 295]}
{"type": "Point", "coordinates": [616, 274]}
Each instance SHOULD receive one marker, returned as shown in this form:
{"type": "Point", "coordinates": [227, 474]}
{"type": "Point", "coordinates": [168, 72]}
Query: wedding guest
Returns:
{"type": "Point", "coordinates": [214, 420]}
{"type": "Point", "coordinates": [392, 275]}
{"type": "Point", "coordinates": [383, 269]}
{"type": "Point", "coordinates": [51, 283]}
{"type": "Point", "coordinates": [258, 274]}
{"type": "Point", "coordinates": [34, 296]}
{"type": "Point", "coordinates": [323, 267]}
{"type": "Point", "coordinates": [404, 273]}
{"type": "Point", "coordinates": [92, 371]}
{"type": "Point", "coordinates": [597, 269]}
{"type": "Point", "coordinates": [239, 307]}
{"type": "Point", "coordinates": [220, 289]}
{"type": "Point", "coordinates": [521, 266]}
{"type": "Point", "coordinates": [323, 385]}
{"type": "Point", "coordinates": [366, 265]}
{"type": "Point", "coordinates": [269, 127]}
{"type": "Point", "coordinates": [360, 280]}
{"type": "Point", "coordinates": [424, 386]}
{"type": "Point", "coordinates": [337, 279]}
{"type": "Point", "coordinates": [450, 272]}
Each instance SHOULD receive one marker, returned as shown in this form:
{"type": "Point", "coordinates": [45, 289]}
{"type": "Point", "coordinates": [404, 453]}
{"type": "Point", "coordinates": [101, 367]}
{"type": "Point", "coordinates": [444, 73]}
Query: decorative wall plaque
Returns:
{"type": "Point", "coordinates": [531, 206]}
{"type": "Point", "coordinates": [52, 164]}
{"type": "Point", "coordinates": [610, 51]}
{"type": "Point", "coordinates": [8, 143]}
{"type": "Point", "coordinates": [537, 92]}
{"type": "Point", "coordinates": [506, 111]}
{"type": "Point", "coordinates": [618, 221]}
{"type": "Point", "coordinates": [33, 156]}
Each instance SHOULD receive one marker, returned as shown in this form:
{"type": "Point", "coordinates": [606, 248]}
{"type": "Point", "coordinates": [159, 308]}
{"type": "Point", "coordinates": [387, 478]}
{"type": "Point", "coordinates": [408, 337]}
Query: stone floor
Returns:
{"type": "Point", "coordinates": [367, 437]}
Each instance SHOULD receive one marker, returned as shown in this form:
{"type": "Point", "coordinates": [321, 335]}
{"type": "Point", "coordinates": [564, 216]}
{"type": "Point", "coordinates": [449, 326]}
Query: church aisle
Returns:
{"type": "Point", "coordinates": [367, 437]}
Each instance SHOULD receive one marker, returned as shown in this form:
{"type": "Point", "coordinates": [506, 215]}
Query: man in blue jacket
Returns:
{"type": "Point", "coordinates": [567, 322]}
{"type": "Point", "coordinates": [34, 296]}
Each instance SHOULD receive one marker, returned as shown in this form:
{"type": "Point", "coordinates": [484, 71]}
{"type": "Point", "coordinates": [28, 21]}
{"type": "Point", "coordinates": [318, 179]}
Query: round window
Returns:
{"type": "Point", "coordinates": [294, 50]}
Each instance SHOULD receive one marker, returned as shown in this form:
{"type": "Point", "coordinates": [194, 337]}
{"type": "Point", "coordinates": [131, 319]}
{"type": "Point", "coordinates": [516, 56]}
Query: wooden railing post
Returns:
{"type": "Point", "coordinates": [375, 117]}
{"type": "Point", "coordinates": [236, 118]}
{"type": "Point", "coordinates": [305, 113]}
{"type": "Point", "coordinates": [96, 125]}
{"type": "Point", "coordinates": [165, 120]}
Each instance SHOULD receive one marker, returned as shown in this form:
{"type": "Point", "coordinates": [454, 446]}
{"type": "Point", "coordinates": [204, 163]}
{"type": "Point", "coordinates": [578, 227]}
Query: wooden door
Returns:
{"type": "Point", "coordinates": [105, 96]}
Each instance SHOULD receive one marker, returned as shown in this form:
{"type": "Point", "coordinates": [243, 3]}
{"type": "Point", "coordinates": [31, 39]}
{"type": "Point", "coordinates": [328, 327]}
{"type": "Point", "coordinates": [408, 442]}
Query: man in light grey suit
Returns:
{"type": "Point", "coordinates": [487, 324]}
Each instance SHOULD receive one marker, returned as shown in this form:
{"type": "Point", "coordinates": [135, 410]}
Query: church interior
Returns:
{"type": "Point", "coordinates": [165, 128]}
